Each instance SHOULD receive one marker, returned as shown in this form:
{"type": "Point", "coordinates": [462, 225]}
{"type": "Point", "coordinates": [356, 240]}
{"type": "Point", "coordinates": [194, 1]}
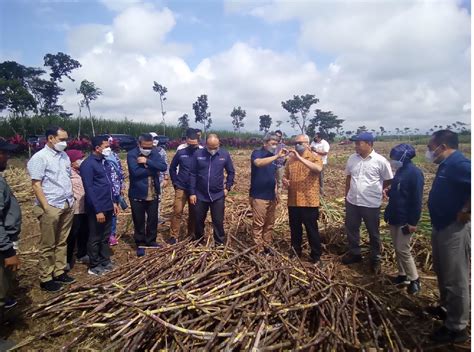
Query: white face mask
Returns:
{"type": "Point", "coordinates": [272, 149]}
{"type": "Point", "coordinates": [396, 164]}
{"type": "Point", "coordinates": [145, 152]}
{"type": "Point", "coordinates": [155, 142]}
{"type": "Point", "coordinates": [106, 151]}
{"type": "Point", "coordinates": [212, 151]}
{"type": "Point", "coordinates": [79, 162]}
{"type": "Point", "coordinates": [430, 155]}
{"type": "Point", "coordinates": [60, 146]}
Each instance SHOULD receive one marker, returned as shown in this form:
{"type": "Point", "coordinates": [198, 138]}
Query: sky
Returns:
{"type": "Point", "coordinates": [391, 63]}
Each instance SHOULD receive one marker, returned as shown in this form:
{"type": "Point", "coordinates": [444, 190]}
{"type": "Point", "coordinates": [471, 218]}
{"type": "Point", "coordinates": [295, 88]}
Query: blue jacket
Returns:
{"type": "Point", "coordinates": [207, 175]}
{"type": "Point", "coordinates": [139, 173]}
{"type": "Point", "coordinates": [406, 196]}
{"type": "Point", "coordinates": [182, 159]}
{"type": "Point", "coordinates": [450, 191]}
{"type": "Point", "coordinates": [97, 185]}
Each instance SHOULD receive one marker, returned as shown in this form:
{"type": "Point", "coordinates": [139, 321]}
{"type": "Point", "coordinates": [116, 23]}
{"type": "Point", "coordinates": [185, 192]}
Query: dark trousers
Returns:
{"type": "Point", "coordinates": [78, 236]}
{"type": "Point", "coordinates": [307, 216]}
{"type": "Point", "coordinates": [371, 217]}
{"type": "Point", "coordinates": [217, 216]}
{"type": "Point", "coordinates": [145, 221]}
{"type": "Point", "coordinates": [98, 242]}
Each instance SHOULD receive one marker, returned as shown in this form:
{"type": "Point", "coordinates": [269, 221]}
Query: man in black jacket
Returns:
{"type": "Point", "coordinates": [144, 166]}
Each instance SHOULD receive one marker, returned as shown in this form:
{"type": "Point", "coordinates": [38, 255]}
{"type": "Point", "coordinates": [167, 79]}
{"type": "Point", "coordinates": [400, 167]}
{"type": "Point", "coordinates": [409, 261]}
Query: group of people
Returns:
{"type": "Point", "coordinates": [78, 200]}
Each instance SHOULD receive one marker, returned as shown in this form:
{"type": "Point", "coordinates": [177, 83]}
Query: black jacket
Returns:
{"type": "Point", "coordinates": [10, 219]}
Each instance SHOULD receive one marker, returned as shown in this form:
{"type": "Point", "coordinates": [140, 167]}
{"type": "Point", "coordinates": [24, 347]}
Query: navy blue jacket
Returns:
{"type": "Point", "coordinates": [450, 191]}
{"type": "Point", "coordinates": [183, 160]}
{"type": "Point", "coordinates": [207, 174]}
{"type": "Point", "coordinates": [262, 179]}
{"type": "Point", "coordinates": [406, 196]}
{"type": "Point", "coordinates": [97, 185]}
{"type": "Point", "coordinates": [139, 173]}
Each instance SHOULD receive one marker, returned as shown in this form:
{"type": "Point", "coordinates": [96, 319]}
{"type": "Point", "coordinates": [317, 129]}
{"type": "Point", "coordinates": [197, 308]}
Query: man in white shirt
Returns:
{"type": "Point", "coordinates": [319, 146]}
{"type": "Point", "coordinates": [367, 174]}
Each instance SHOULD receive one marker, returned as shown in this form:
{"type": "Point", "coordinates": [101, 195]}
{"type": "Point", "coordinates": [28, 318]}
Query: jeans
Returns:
{"type": "Point", "coordinates": [145, 221]}
{"type": "Point", "coordinates": [217, 216]}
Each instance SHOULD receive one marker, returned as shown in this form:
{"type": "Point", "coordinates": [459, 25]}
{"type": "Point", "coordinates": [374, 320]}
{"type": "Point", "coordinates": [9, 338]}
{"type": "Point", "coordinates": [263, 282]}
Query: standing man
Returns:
{"type": "Point", "coordinates": [180, 171]}
{"type": "Point", "coordinates": [302, 180]}
{"type": "Point", "coordinates": [10, 227]}
{"type": "Point", "coordinates": [164, 176]}
{"type": "Point", "coordinates": [367, 174]}
{"type": "Point", "coordinates": [50, 172]}
{"type": "Point", "coordinates": [101, 205]}
{"type": "Point", "coordinates": [321, 147]}
{"type": "Point", "coordinates": [263, 197]}
{"type": "Point", "coordinates": [191, 132]}
{"type": "Point", "coordinates": [280, 162]}
{"type": "Point", "coordinates": [207, 186]}
{"type": "Point", "coordinates": [449, 204]}
{"type": "Point", "coordinates": [144, 166]}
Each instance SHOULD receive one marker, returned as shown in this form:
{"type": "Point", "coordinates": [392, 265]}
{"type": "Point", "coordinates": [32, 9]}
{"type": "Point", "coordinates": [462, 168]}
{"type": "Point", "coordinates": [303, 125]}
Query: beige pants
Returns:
{"type": "Point", "coordinates": [405, 262]}
{"type": "Point", "coordinates": [180, 200]}
{"type": "Point", "coordinates": [55, 225]}
{"type": "Point", "coordinates": [263, 221]}
{"type": "Point", "coordinates": [7, 281]}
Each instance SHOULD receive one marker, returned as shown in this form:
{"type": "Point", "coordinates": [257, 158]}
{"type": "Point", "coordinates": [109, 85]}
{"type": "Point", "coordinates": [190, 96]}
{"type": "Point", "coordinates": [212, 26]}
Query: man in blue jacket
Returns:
{"type": "Point", "coordinates": [403, 212]}
{"type": "Point", "coordinates": [449, 204]}
{"type": "Point", "coordinates": [207, 186]}
{"type": "Point", "coordinates": [144, 166]}
{"type": "Point", "coordinates": [101, 205]}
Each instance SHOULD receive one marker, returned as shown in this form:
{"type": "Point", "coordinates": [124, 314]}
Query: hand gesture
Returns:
{"type": "Point", "coordinates": [282, 153]}
{"type": "Point", "coordinates": [116, 209]}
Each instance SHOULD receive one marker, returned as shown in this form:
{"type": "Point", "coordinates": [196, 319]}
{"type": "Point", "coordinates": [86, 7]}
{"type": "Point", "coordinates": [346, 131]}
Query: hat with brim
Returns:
{"type": "Point", "coordinates": [363, 136]}
{"type": "Point", "coordinates": [7, 147]}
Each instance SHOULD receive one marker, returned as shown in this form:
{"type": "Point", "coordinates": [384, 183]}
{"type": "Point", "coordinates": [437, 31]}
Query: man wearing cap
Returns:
{"type": "Point", "coordinates": [50, 172]}
{"type": "Point", "coordinates": [10, 227]}
{"type": "Point", "coordinates": [367, 174]}
{"type": "Point", "coordinates": [449, 204]}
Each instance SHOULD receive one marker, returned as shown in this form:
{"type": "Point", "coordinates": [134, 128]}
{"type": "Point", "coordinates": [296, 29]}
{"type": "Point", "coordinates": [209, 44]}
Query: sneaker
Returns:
{"type": "Point", "coordinates": [10, 303]}
{"type": "Point", "coordinates": [444, 335]}
{"type": "Point", "coordinates": [376, 267]}
{"type": "Point", "coordinates": [113, 240]}
{"type": "Point", "coordinates": [96, 271]}
{"type": "Point", "coordinates": [83, 260]}
{"type": "Point", "coordinates": [51, 286]}
{"type": "Point", "coordinates": [414, 287]}
{"type": "Point", "coordinates": [438, 312]}
{"type": "Point", "coordinates": [140, 252]}
{"type": "Point", "coordinates": [64, 279]}
{"type": "Point", "coordinates": [351, 259]}
{"type": "Point", "coordinates": [400, 280]}
{"type": "Point", "coordinates": [108, 267]}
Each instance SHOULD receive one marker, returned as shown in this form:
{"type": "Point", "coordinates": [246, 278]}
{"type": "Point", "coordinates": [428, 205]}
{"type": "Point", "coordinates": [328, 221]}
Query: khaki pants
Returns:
{"type": "Point", "coordinates": [405, 262]}
{"type": "Point", "coordinates": [263, 221]}
{"type": "Point", "coordinates": [181, 198]}
{"type": "Point", "coordinates": [55, 225]}
{"type": "Point", "coordinates": [7, 281]}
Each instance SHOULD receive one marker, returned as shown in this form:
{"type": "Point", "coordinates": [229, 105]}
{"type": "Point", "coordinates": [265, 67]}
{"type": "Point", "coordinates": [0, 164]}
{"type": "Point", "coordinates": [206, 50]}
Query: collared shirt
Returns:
{"type": "Point", "coordinates": [53, 169]}
{"type": "Point", "coordinates": [322, 147]}
{"type": "Point", "coordinates": [450, 191]}
{"type": "Point", "coordinates": [367, 176]}
{"type": "Point", "coordinates": [304, 183]}
{"type": "Point", "coordinates": [180, 168]}
{"type": "Point", "coordinates": [262, 179]}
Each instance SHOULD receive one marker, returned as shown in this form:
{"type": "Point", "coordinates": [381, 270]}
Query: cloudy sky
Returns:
{"type": "Point", "coordinates": [391, 63]}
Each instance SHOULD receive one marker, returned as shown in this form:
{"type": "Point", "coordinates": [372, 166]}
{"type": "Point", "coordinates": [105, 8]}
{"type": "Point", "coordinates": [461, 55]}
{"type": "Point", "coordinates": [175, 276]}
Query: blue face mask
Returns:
{"type": "Point", "coordinates": [300, 148]}
{"type": "Point", "coordinates": [396, 164]}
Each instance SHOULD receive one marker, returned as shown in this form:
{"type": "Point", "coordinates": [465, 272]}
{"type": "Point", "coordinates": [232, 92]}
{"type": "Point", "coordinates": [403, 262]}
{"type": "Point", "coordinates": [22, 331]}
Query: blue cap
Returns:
{"type": "Point", "coordinates": [398, 151]}
{"type": "Point", "coordinates": [363, 136]}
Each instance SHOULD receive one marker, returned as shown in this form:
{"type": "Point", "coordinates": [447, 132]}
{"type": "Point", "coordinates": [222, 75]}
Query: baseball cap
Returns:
{"type": "Point", "coordinates": [363, 136]}
{"type": "Point", "coordinates": [7, 147]}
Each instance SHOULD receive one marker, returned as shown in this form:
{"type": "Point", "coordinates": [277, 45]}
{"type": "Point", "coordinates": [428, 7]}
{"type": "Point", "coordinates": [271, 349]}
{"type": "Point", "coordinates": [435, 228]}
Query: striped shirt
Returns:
{"type": "Point", "coordinates": [53, 169]}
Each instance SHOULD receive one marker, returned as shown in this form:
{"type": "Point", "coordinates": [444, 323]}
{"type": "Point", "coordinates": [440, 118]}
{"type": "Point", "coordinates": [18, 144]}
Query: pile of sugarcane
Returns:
{"type": "Point", "coordinates": [189, 296]}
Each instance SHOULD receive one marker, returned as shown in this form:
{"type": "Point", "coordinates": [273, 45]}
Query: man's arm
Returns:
{"type": "Point", "coordinates": [314, 167]}
{"type": "Point", "coordinates": [39, 194]}
{"type": "Point", "coordinates": [157, 164]}
{"type": "Point", "coordinates": [6, 245]}
{"type": "Point", "coordinates": [135, 169]}
{"type": "Point", "coordinates": [416, 201]}
{"type": "Point", "coordinates": [174, 168]}
{"type": "Point", "coordinates": [192, 179]}
{"type": "Point", "coordinates": [229, 168]}
{"type": "Point", "coordinates": [348, 184]}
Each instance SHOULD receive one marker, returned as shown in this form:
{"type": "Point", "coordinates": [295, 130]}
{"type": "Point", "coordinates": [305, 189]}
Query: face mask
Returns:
{"type": "Point", "coordinates": [300, 148]}
{"type": "Point", "coordinates": [430, 155]}
{"type": "Point", "coordinates": [106, 151]}
{"type": "Point", "coordinates": [212, 151]}
{"type": "Point", "coordinates": [79, 162]}
{"type": "Point", "coordinates": [145, 152]}
{"type": "Point", "coordinates": [194, 146]}
{"type": "Point", "coordinates": [60, 146]}
{"type": "Point", "coordinates": [155, 142]}
{"type": "Point", "coordinates": [396, 164]}
{"type": "Point", "coordinates": [272, 149]}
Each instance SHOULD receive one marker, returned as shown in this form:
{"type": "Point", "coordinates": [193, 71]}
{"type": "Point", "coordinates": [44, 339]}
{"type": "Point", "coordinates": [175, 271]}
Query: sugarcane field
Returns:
{"type": "Point", "coordinates": [187, 296]}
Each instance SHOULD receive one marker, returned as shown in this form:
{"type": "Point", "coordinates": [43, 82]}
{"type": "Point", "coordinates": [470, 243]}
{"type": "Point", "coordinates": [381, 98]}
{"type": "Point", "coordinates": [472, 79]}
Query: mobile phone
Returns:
{"type": "Point", "coordinates": [405, 230]}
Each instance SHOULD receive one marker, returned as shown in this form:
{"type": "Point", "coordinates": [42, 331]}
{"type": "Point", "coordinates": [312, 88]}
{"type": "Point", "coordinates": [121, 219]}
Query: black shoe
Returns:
{"type": "Point", "coordinates": [376, 267]}
{"type": "Point", "coordinates": [51, 286]}
{"type": "Point", "coordinates": [444, 335]}
{"type": "Point", "coordinates": [351, 259]}
{"type": "Point", "coordinates": [437, 312]}
{"type": "Point", "coordinates": [64, 279]}
{"type": "Point", "coordinates": [414, 287]}
{"type": "Point", "coordinates": [10, 303]}
{"type": "Point", "coordinates": [400, 280]}
{"type": "Point", "coordinates": [318, 263]}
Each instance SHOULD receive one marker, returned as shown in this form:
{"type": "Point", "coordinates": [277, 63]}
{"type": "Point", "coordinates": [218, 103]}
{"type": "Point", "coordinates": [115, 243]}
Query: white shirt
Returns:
{"type": "Point", "coordinates": [322, 147]}
{"type": "Point", "coordinates": [185, 145]}
{"type": "Point", "coordinates": [367, 176]}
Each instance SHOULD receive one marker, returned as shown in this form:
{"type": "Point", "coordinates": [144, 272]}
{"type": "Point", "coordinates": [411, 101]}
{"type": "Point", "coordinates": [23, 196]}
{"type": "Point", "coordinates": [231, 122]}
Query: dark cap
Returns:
{"type": "Point", "coordinates": [363, 136]}
{"type": "Point", "coordinates": [7, 147]}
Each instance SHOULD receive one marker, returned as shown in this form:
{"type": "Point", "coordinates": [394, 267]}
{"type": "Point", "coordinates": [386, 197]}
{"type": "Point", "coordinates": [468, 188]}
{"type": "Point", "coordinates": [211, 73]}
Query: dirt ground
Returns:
{"type": "Point", "coordinates": [415, 326]}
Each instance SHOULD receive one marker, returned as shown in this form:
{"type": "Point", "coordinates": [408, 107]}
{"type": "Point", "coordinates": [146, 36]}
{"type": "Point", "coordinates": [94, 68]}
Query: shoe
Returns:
{"type": "Point", "coordinates": [108, 267]}
{"type": "Point", "coordinates": [96, 271]}
{"type": "Point", "coordinates": [64, 279]}
{"type": "Point", "coordinates": [171, 241]}
{"type": "Point", "coordinates": [155, 245]}
{"type": "Point", "coordinates": [140, 252]}
{"type": "Point", "coordinates": [318, 263]}
{"type": "Point", "coordinates": [83, 260]}
{"type": "Point", "coordinates": [400, 280]}
{"type": "Point", "coordinates": [444, 335]}
{"type": "Point", "coordinates": [376, 267]}
{"type": "Point", "coordinates": [414, 287]}
{"type": "Point", "coordinates": [10, 303]}
{"type": "Point", "coordinates": [438, 312]}
{"type": "Point", "coordinates": [113, 240]}
{"type": "Point", "coordinates": [51, 286]}
{"type": "Point", "coordinates": [351, 259]}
